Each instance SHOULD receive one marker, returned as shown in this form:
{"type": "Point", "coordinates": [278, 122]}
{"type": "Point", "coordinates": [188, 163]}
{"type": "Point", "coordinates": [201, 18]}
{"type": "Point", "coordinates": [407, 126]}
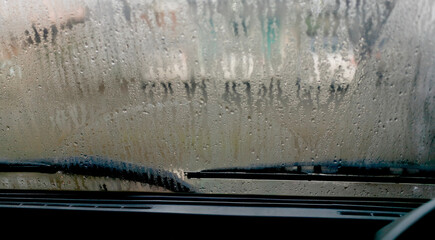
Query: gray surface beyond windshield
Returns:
{"type": "Point", "coordinates": [191, 85]}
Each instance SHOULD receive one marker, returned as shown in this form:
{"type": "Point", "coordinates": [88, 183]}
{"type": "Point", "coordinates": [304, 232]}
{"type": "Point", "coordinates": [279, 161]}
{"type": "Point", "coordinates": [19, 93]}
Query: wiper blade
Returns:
{"type": "Point", "coordinates": [99, 167]}
{"type": "Point", "coordinates": [326, 171]}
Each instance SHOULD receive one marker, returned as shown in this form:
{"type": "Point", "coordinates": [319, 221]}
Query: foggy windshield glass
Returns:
{"type": "Point", "coordinates": [202, 84]}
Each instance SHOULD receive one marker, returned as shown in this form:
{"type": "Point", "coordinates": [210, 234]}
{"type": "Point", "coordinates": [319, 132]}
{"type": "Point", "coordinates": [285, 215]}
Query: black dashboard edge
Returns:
{"type": "Point", "coordinates": [247, 215]}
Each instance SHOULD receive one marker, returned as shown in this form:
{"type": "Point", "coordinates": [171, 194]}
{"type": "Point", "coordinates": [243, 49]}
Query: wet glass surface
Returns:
{"type": "Point", "coordinates": [191, 85]}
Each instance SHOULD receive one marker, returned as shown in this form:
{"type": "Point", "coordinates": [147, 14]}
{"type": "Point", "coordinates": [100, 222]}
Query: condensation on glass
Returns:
{"type": "Point", "coordinates": [189, 85]}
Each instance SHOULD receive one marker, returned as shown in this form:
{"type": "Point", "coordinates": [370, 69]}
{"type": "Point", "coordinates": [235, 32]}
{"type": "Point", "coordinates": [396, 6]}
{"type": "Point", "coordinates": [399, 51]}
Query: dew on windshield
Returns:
{"type": "Point", "coordinates": [190, 85]}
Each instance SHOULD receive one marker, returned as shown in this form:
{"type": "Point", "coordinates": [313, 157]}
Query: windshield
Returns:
{"type": "Point", "coordinates": [186, 86]}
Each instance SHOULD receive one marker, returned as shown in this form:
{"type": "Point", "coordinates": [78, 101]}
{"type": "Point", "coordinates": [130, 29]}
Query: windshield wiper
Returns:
{"type": "Point", "coordinates": [99, 167]}
{"type": "Point", "coordinates": [326, 171]}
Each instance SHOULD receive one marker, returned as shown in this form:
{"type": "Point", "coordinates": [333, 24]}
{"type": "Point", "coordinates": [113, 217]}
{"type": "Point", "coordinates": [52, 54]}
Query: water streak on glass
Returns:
{"type": "Point", "coordinates": [190, 85]}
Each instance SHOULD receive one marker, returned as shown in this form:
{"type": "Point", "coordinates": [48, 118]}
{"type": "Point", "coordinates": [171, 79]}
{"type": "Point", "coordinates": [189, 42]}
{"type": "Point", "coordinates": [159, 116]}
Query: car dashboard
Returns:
{"type": "Point", "coordinates": [215, 214]}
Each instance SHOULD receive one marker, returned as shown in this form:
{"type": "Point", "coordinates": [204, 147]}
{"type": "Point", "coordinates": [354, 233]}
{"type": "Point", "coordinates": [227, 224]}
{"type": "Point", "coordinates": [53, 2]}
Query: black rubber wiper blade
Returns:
{"type": "Point", "coordinates": [326, 171]}
{"type": "Point", "coordinates": [26, 166]}
{"type": "Point", "coordinates": [311, 177]}
{"type": "Point", "coordinates": [100, 167]}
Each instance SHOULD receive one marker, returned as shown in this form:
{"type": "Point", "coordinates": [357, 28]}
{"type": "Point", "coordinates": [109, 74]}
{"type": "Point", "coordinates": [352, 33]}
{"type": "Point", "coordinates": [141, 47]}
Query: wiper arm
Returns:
{"type": "Point", "coordinates": [100, 167]}
{"type": "Point", "coordinates": [326, 171]}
